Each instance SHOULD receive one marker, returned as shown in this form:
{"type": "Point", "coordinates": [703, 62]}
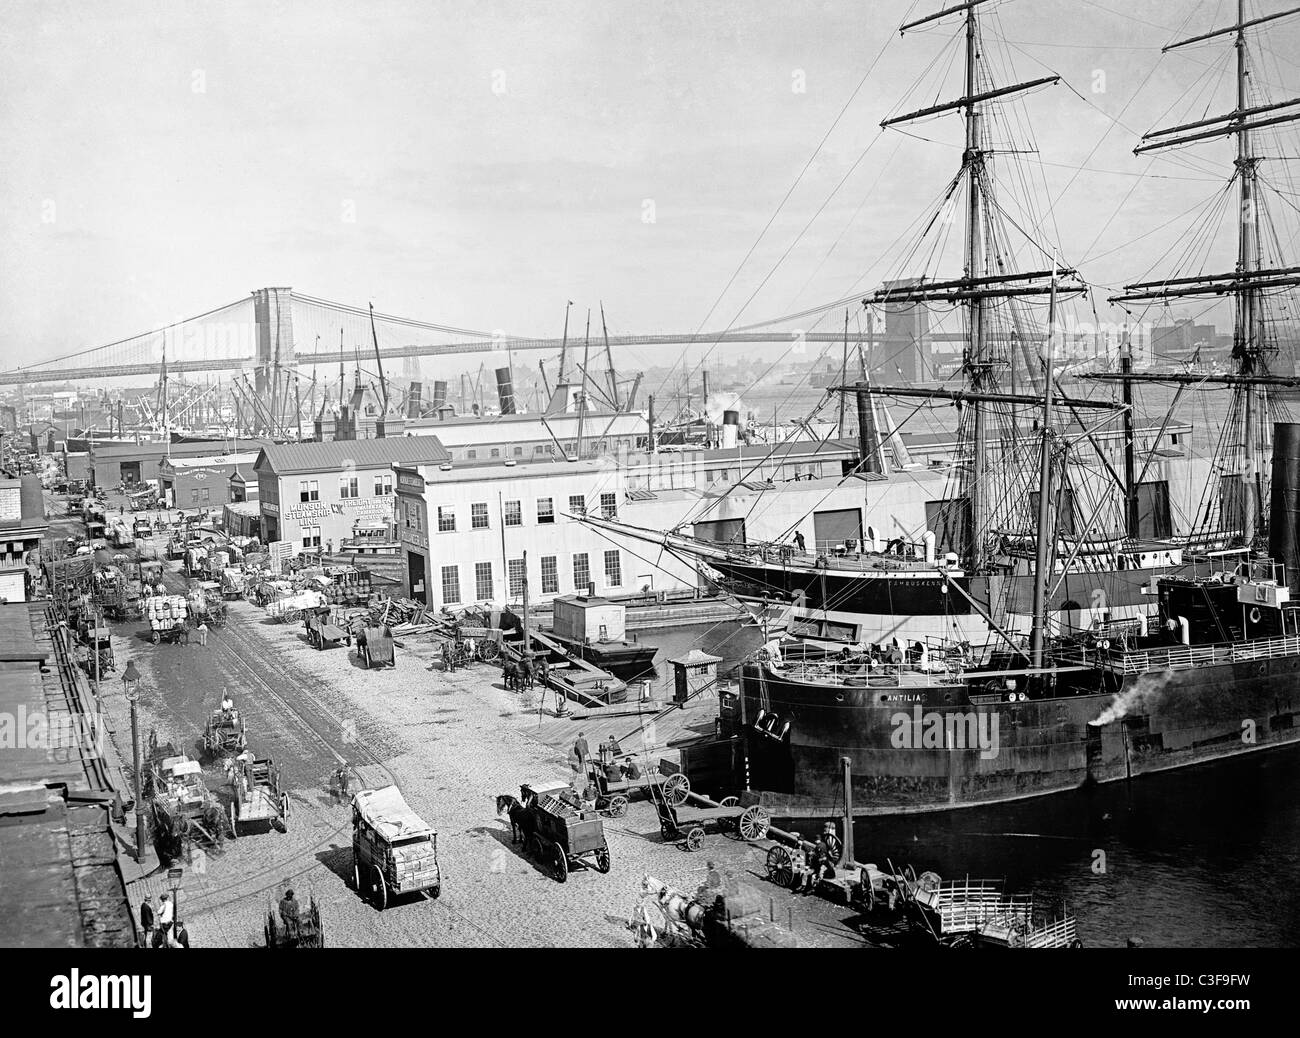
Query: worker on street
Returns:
{"type": "Point", "coordinates": [203, 633]}
{"type": "Point", "coordinates": [165, 917]}
{"type": "Point", "coordinates": [581, 752]}
{"type": "Point", "coordinates": [289, 913]}
{"type": "Point", "coordinates": [798, 540]}
{"type": "Point", "coordinates": [147, 919]}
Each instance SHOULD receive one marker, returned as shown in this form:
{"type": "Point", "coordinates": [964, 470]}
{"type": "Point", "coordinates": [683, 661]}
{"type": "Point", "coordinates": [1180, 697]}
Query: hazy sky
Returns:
{"type": "Point", "coordinates": [480, 163]}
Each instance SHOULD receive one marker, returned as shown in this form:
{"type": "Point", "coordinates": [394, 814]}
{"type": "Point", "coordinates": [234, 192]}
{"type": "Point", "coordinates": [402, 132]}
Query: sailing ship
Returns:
{"type": "Point", "coordinates": [937, 723]}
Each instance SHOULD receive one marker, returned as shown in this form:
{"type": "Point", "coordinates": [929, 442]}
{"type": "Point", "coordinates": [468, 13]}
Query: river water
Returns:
{"type": "Point", "coordinates": [1201, 857]}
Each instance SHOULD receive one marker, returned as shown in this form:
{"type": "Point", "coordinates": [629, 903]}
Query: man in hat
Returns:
{"type": "Point", "coordinates": [147, 919]}
{"type": "Point", "coordinates": [289, 913]}
{"type": "Point", "coordinates": [582, 752]}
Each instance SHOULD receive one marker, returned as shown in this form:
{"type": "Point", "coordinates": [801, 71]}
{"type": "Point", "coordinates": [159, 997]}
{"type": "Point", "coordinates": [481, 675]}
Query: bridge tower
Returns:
{"type": "Point", "coordinates": [273, 315]}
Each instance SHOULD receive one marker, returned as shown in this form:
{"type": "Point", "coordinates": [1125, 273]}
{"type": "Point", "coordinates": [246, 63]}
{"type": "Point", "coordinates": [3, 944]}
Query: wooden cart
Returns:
{"type": "Point", "coordinates": [256, 793]}
{"type": "Point", "coordinates": [692, 814]}
{"type": "Point", "coordinates": [563, 834]}
{"type": "Point", "coordinates": [394, 852]}
{"type": "Point", "coordinates": [614, 793]}
{"type": "Point", "coordinates": [375, 646]}
{"type": "Point", "coordinates": [321, 633]}
{"type": "Point", "coordinates": [226, 733]}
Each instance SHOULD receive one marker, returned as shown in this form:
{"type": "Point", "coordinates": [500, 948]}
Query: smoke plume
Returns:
{"type": "Point", "coordinates": [1135, 697]}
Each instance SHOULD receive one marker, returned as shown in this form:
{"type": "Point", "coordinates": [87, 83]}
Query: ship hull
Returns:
{"type": "Point", "coordinates": [929, 749]}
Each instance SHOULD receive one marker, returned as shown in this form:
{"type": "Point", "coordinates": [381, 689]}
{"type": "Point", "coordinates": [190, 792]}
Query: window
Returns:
{"type": "Point", "coordinates": [550, 575]}
{"type": "Point", "coordinates": [581, 571]}
{"type": "Point", "coordinates": [613, 568]}
{"type": "Point", "coordinates": [348, 486]}
{"type": "Point", "coordinates": [471, 455]}
{"type": "Point", "coordinates": [446, 519]}
{"type": "Point", "coordinates": [609, 507]}
{"type": "Point", "coordinates": [539, 449]}
{"type": "Point", "coordinates": [478, 516]}
{"type": "Point", "coordinates": [519, 452]}
{"type": "Point", "coordinates": [514, 514]}
{"type": "Point", "coordinates": [194, 496]}
{"type": "Point", "coordinates": [577, 505]}
{"type": "Point", "coordinates": [308, 490]}
{"type": "Point", "coordinates": [483, 581]}
{"type": "Point", "coordinates": [517, 574]}
{"type": "Point", "coordinates": [450, 585]}
{"type": "Point", "coordinates": [311, 536]}
{"type": "Point", "coordinates": [204, 495]}
{"type": "Point", "coordinates": [545, 510]}
{"type": "Point", "coordinates": [383, 485]}
{"type": "Point", "coordinates": [496, 452]}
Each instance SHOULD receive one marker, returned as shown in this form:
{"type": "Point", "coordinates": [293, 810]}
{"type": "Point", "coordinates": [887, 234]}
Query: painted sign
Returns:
{"type": "Point", "coordinates": [415, 537]}
{"type": "Point", "coordinates": [307, 510]}
{"type": "Point", "coordinates": [270, 508]}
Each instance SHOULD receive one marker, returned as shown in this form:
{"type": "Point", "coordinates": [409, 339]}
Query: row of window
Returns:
{"type": "Point", "coordinates": [541, 449]}
{"type": "Point", "coordinates": [513, 512]}
{"type": "Point", "coordinates": [349, 487]}
{"type": "Point", "coordinates": [516, 574]}
{"type": "Point", "coordinates": [199, 496]}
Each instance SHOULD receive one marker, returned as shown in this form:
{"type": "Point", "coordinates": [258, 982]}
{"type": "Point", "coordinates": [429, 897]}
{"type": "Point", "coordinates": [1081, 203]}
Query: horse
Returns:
{"type": "Point", "coordinates": [512, 673]}
{"type": "Point", "coordinates": [521, 819]}
{"type": "Point", "coordinates": [525, 673]}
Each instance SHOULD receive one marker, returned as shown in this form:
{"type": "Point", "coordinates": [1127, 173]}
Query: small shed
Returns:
{"type": "Point", "coordinates": [587, 618]}
{"type": "Point", "coordinates": [695, 674]}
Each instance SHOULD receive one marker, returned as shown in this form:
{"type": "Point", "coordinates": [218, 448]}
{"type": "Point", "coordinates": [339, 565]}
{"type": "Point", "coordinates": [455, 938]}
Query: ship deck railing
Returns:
{"type": "Point", "coordinates": [1185, 657]}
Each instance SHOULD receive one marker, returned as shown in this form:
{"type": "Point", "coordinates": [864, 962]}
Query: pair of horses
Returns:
{"type": "Point", "coordinates": [518, 675]}
{"type": "Point", "coordinates": [522, 822]}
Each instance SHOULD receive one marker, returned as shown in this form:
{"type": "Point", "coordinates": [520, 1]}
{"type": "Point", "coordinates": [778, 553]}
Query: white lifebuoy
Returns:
{"type": "Point", "coordinates": [1255, 615]}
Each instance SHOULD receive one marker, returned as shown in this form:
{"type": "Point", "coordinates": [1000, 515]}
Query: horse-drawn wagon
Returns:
{"type": "Point", "coordinates": [226, 733]}
{"type": "Point", "coordinates": [167, 615]}
{"type": "Point", "coordinates": [557, 828]}
{"type": "Point", "coordinates": [394, 852]}
{"type": "Point", "coordinates": [256, 793]}
{"type": "Point", "coordinates": [322, 632]}
{"type": "Point", "coordinates": [184, 810]}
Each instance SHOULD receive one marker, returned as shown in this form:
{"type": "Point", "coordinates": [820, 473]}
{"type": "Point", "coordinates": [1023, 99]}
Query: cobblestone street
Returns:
{"type": "Point", "coordinates": [452, 742]}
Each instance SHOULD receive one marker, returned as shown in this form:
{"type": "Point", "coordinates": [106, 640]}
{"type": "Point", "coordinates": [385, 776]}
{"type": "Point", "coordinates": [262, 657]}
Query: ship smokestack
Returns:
{"type": "Point", "coordinates": [1284, 508]}
{"type": "Point", "coordinates": [730, 428]}
{"type": "Point", "coordinates": [413, 400]}
{"type": "Point", "coordinates": [505, 391]}
{"type": "Point", "coordinates": [868, 439]}
{"type": "Point", "coordinates": [439, 395]}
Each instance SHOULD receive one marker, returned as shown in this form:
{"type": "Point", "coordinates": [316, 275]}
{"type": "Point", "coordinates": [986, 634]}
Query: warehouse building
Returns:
{"type": "Point", "coordinates": [206, 481]}
{"type": "Point", "coordinates": [22, 526]}
{"type": "Point", "coordinates": [312, 495]}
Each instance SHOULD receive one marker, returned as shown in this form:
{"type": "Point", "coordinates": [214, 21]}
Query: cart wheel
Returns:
{"type": "Point", "coordinates": [695, 839]}
{"type": "Point", "coordinates": [602, 856]}
{"type": "Point", "coordinates": [380, 889]}
{"type": "Point", "coordinates": [676, 789]}
{"type": "Point", "coordinates": [754, 822]}
{"type": "Point", "coordinates": [732, 802]}
{"type": "Point", "coordinates": [561, 861]}
{"type": "Point", "coordinates": [780, 866]}
{"type": "Point", "coordinates": [356, 878]}
{"type": "Point", "coordinates": [668, 830]}
{"type": "Point", "coordinates": [284, 805]}
{"type": "Point", "coordinates": [234, 815]}
{"type": "Point", "coordinates": [153, 637]}
{"type": "Point", "coordinates": [617, 806]}
{"type": "Point", "coordinates": [487, 650]}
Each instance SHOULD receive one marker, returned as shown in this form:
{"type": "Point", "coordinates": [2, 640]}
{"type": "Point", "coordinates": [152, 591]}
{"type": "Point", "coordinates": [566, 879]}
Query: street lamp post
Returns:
{"type": "Point", "coordinates": [131, 682]}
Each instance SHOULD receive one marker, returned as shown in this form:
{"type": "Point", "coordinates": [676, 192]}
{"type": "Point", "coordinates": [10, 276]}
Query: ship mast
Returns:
{"type": "Point", "coordinates": [976, 285]}
{"type": "Point", "coordinates": [1249, 278]}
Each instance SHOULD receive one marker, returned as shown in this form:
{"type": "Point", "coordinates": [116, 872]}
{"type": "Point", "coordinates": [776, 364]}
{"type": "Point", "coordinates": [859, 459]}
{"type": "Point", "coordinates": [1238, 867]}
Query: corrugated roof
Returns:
{"type": "Point", "coordinates": [334, 455]}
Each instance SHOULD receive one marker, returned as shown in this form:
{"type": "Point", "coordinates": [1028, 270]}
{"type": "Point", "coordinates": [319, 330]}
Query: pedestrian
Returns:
{"type": "Point", "coordinates": [343, 782]}
{"type": "Point", "coordinates": [166, 914]}
{"type": "Point", "coordinates": [203, 633]}
{"type": "Point", "coordinates": [289, 913]}
{"type": "Point", "coordinates": [181, 938]}
{"type": "Point", "coordinates": [581, 752]}
{"type": "Point", "coordinates": [798, 540]}
{"type": "Point", "coordinates": [147, 918]}
{"type": "Point", "coordinates": [185, 633]}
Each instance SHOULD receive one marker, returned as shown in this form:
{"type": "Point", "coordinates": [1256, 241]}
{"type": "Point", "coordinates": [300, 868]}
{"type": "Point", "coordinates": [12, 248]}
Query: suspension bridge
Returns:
{"type": "Point", "coordinates": [278, 330]}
